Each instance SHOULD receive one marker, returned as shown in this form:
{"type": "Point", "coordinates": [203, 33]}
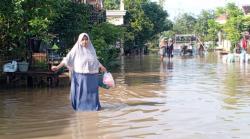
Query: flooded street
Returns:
{"type": "Point", "coordinates": [189, 98]}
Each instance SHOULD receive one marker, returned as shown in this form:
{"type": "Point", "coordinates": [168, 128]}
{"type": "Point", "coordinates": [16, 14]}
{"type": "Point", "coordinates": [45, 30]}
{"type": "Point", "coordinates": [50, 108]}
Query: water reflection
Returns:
{"type": "Point", "coordinates": [188, 97]}
{"type": "Point", "coordinates": [85, 125]}
{"type": "Point", "coordinates": [170, 65]}
{"type": "Point", "coordinates": [33, 113]}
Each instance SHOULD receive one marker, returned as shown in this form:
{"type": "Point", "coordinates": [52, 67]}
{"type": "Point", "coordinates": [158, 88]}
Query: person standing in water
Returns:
{"type": "Point", "coordinates": [83, 63]}
{"type": "Point", "coordinates": [162, 51]}
{"type": "Point", "coordinates": [244, 43]}
{"type": "Point", "coordinates": [170, 48]}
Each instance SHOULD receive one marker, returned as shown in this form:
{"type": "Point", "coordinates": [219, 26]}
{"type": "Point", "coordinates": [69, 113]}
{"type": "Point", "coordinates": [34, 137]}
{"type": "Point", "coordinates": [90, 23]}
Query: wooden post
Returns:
{"type": "Point", "coordinates": [30, 81]}
{"type": "Point", "coordinates": [8, 79]}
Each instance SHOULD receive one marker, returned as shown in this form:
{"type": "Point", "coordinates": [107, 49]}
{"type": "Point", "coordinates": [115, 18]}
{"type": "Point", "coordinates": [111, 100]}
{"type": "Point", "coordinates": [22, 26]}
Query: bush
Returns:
{"type": "Point", "coordinates": [104, 37]}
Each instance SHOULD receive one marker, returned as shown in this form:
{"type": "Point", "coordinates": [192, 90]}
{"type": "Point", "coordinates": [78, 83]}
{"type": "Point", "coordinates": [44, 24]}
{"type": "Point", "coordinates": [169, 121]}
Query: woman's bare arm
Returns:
{"type": "Point", "coordinates": [56, 68]}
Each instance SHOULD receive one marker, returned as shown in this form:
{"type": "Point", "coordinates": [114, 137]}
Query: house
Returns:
{"type": "Point", "coordinates": [222, 43]}
{"type": "Point", "coordinates": [222, 19]}
{"type": "Point", "coordinates": [246, 10]}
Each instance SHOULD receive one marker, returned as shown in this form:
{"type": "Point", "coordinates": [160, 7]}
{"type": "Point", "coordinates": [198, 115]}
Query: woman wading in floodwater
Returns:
{"type": "Point", "coordinates": [83, 63]}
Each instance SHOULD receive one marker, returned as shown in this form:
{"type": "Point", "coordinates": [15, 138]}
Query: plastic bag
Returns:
{"type": "Point", "coordinates": [10, 67]}
{"type": "Point", "coordinates": [100, 82]}
{"type": "Point", "coordinates": [108, 79]}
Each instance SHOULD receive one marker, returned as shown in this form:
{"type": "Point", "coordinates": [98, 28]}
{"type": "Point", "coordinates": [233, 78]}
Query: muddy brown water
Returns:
{"type": "Point", "coordinates": [188, 98]}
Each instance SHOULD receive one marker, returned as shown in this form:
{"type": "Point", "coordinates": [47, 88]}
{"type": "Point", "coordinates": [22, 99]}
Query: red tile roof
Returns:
{"type": "Point", "coordinates": [222, 17]}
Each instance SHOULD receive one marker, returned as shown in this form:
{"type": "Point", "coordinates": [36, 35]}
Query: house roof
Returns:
{"type": "Point", "coordinates": [222, 18]}
{"type": "Point", "coordinates": [246, 9]}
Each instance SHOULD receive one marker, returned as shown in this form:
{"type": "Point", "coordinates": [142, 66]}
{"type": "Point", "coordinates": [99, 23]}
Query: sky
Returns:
{"type": "Point", "coordinates": [176, 7]}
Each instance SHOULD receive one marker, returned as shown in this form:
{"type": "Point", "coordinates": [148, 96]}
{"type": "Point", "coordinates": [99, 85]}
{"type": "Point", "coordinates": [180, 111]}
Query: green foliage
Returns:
{"type": "Point", "coordinates": [168, 34]}
{"type": "Point", "coordinates": [245, 23]}
{"type": "Point", "coordinates": [112, 4]}
{"type": "Point", "coordinates": [157, 16]}
{"type": "Point", "coordinates": [109, 32]}
{"type": "Point", "coordinates": [233, 26]}
{"type": "Point", "coordinates": [104, 37]}
{"type": "Point", "coordinates": [233, 11]}
{"type": "Point", "coordinates": [219, 11]}
{"type": "Point", "coordinates": [213, 29]}
{"type": "Point", "coordinates": [43, 19]}
{"type": "Point", "coordinates": [144, 20]}
{"type": "Point", "coordinates": [38, 16]}
{"type": "Point", "coordinates": [40, 65]}
{"type": "Point", "coordinates": [202, 27]}
{"type": "Point", "coordinates": [138, 26]}
{"type": "Point", "coordinates": [38, 25]}
{"type": "Point", "coordinates": [73, 20]}
{"type": "Point", "coordinates": [11, 30]}
{"type": "Point", "coordinates": [22, 19]}
{"type": "Point", "coordinates": [231, 30]}
{"type": "Point", "coordinates": [184, 24]}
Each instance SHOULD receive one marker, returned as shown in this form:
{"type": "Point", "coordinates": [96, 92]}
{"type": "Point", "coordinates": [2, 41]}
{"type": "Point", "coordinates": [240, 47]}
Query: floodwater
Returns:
{"type": "Point", "coordinates": [188, 98]}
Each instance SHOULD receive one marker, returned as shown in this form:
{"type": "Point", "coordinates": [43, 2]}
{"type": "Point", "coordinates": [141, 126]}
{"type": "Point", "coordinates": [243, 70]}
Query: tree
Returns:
{"type": "Point", "coordinates": [213, 29]}
{"type": "Point", "coordinates": [112, 4]}
{"type": "Point", "coordinates": [144, 20]}
{"type": "Point", "coordinates": [233, 26]}
{"type": "Point", "coordinates": [168, 34]}
{"type": "Point", "coordinates": [105, 36]}
{"type": "Point", "coordinates": [137, 24]}
{"type": "Point", "coordinates": [202, 25]}
{"type": "Point", "coordinates": [184, 24]}
{"type": "Point", "coordinates": [23, 19]}
{"type": "Point", "coordinates": [11, 29]}
{"type": "Point", "coordinates": [245, 23]}
{"type": "Point", "coordinates": [162, 2]}
{"type": "Point", "coordinates": [74, 19]}
{"type": "Point", "coordinates": [157, 16]}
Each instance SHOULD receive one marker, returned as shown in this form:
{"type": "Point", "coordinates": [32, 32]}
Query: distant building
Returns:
{"type": "Point", "coordinates": [246, 10]}
{"type": "Point", "coordinates": [222, 43]}
{"type": "Point", "coordinates": [116, 16]}
{"type": "Point", "coordinates": [222, 19]}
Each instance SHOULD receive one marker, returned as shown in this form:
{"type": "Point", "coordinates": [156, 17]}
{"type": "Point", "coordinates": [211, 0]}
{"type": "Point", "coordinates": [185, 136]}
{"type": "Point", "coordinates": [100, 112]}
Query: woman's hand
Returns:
{"type": "Point", "coordinates": [54, 68]}
{"type": "Point", "coordinates": [103, 69]}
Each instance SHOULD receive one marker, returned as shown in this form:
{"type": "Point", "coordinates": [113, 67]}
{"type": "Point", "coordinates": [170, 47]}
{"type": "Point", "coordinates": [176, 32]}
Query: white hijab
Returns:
{"type": "Point", "coordinates": [82, 59]}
